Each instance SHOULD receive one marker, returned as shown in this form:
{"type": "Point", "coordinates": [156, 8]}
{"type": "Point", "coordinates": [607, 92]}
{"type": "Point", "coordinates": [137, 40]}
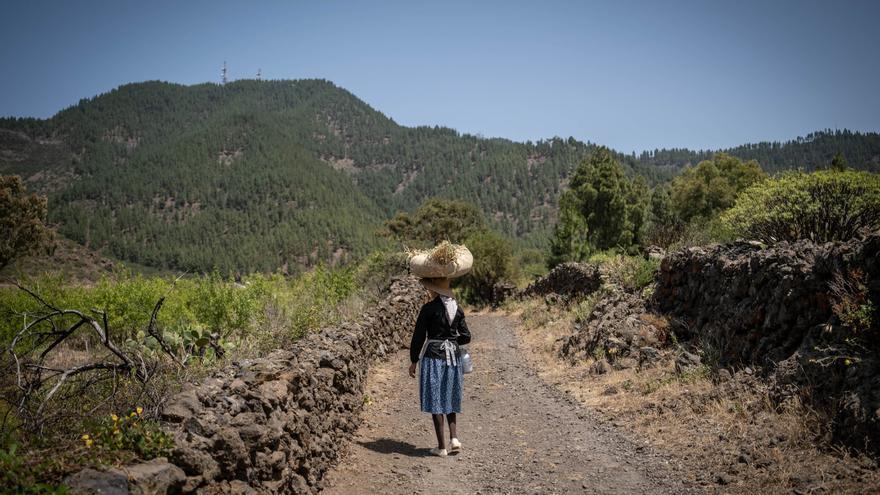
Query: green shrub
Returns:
{"type": "Point", "coordinates": [532, 264]}
{"type": "Point", "coordinates": [851, 302]}
{"type": "Point", "coordinates": [633, 273]}
{"type": "Point", "coordinates": [712, 186]}
{"type": "Point", "coordinates": [130, 432]}
{"type": "Point", "coordinates": [582, 310]}
{"type": "Point", "coordinates": [373, 275]}
{"type": "Point", "coordinates": [822, 206]}
{"type": "Point", "coordinates": [18, 475]}
{"type": "Point", "coordinates": [702, 231]}
{"type": "Point", "coordinates": [493, 258]}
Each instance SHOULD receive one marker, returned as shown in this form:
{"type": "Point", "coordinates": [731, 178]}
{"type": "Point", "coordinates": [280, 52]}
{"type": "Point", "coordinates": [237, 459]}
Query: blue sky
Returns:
{"type": "Point", "coordinates": [628, 74]}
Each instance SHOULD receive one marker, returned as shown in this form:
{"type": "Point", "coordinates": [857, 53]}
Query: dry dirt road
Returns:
{"type": "Point", "coordinates": [519, 435]}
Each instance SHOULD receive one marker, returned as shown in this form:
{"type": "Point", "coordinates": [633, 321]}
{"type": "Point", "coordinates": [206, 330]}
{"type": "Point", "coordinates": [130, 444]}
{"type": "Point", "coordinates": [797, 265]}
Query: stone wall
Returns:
{"type": "Point", "coordinates": [276, 424]}
{"type": "Point", "coordinates": [619, 333]}
{"type": "Point", "coordinates": [773, 307]}
{"type": "Point", "coordinates": [569, 280]}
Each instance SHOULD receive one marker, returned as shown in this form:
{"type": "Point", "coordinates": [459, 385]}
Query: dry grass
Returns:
{"type": "Point", "coordinates": [728, 435]}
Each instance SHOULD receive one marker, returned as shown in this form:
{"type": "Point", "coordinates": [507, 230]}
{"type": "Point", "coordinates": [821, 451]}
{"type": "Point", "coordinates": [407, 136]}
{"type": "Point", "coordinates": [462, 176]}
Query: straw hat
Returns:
{"type": "Point", "coordinates": [446, 260]}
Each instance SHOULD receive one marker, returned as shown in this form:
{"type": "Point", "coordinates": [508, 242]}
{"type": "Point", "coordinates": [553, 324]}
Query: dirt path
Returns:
{"type": "Point", "coordinates": [518, 435]}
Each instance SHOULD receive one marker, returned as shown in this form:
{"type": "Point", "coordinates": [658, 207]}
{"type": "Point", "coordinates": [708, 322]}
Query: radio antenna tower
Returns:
{"type": "Point", "coordinates": [259, 74]}
{"type": "Point", "coordinates": [223, 73]}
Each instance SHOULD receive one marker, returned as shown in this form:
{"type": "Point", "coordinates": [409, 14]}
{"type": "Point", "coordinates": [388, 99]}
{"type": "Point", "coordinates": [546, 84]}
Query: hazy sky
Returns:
{"type": "Point", "coordinates": [632, 75]}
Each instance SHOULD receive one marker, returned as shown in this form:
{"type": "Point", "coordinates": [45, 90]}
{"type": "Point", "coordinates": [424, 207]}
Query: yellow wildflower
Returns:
{"type": "Point", "coordinates": [133, 414]}
{"type": "Point", "coordinates": [139, 410]}
{"type": "Point", "coordinates": [114, 417]}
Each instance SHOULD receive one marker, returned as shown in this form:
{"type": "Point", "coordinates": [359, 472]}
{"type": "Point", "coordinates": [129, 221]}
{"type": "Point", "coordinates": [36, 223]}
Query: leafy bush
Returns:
{"type": "Point", "coordinates": [851, 303]}
{"type": "Point", "coordinates": [18, 475]}
{"type": "Point", "coordinates": [712, 186]}
{"type": "Point", "coordinates": [131, 433]}
{"type": "Point", "coordinates": [437, 220]}
{"type": "Point", "coordinates": [582, 310]}
{"type": "Point", "coordinates": [493, 258]}
{"type": "Point", "coordinates": [822, 206]}
{"type": "Point", "coordinates": [633, 273]}
{"type": "Point", "coordinates": [373, 275]}
{"type": "Point", "coordinates": [532, 264]}
{"type": "Point", "coordinates": [701, 231]}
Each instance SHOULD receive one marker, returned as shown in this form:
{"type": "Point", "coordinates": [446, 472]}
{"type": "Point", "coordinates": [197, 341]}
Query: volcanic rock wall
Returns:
{"type": "Point", "coordinates": [774, 307]}
{"type": "Point", "coordinates": [569, 280]}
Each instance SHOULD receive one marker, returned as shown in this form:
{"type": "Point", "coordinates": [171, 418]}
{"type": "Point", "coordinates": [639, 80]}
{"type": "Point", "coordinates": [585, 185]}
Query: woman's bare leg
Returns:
{"type": "Point", "coordinates": [450, 418]}
{"type": "Point", "coordinates": [438, 430]}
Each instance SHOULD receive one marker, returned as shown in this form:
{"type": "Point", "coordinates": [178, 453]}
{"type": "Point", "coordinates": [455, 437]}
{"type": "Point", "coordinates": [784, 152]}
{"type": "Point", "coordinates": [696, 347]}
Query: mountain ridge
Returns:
{"type": "Point", "coordinates": [276, 175]}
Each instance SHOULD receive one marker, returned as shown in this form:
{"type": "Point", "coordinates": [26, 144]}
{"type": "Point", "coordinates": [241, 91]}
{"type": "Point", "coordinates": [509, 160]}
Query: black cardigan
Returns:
{"type": "Point", "coordinates": [433, 323]}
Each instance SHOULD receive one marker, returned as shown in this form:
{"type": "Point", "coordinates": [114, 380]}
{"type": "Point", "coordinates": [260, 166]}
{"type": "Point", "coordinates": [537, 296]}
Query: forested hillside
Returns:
{"type": "Point", "coordinates": [268, 175]}
{"type": "Point", "coordinates": [261, 175]}
{"type": "Point", "coordinates": [815, 151]}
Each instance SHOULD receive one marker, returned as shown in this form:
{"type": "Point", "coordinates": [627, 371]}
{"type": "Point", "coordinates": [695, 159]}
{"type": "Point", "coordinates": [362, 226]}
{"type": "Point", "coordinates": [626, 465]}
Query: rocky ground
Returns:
{"type": "Point", "coordinates": [722, 426]}
{"type": "Point", "coordinates": [519, 435]}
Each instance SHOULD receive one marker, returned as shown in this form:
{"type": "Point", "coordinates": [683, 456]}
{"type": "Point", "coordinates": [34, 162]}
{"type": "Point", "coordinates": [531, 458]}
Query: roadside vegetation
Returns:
{"type": "Point", "coordinates": [70, 399]}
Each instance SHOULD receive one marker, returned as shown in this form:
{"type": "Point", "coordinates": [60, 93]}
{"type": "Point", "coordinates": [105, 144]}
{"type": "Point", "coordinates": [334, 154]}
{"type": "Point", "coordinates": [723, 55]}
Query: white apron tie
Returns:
{"type": "Point", "coordinates": [447, 346]}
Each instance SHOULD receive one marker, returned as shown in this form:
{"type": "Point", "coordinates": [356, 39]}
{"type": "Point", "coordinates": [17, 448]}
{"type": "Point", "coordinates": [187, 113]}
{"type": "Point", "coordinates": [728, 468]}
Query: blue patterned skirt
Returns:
{"type": "Point", "coordinates": [440, 386]}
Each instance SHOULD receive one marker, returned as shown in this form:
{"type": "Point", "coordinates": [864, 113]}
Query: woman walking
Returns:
{"type": "Point", "coordinates": [440, 331]}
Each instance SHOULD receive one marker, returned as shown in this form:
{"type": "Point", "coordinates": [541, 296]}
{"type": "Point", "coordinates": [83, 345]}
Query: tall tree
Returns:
{"type": "Point", "coordinates": [602, 206]}
{"type": "Point", "coordinates": [437, 220]}
{"type": "Point", "coordinates": [712, 186]}
{"type": "Point", "coordinates": [22, 220]}
{"type": "Point", "coordinates": [838, 163]}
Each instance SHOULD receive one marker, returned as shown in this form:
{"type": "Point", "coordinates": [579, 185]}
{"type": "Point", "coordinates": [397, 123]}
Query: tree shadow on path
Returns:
{"type": "Point", "coordinates": [391, 446]}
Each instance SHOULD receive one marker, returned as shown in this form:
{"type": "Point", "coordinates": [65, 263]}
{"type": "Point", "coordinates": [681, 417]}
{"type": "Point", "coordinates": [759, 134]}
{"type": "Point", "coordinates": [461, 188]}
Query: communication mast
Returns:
{"type": "Point", "coordinates": [259, 74]}
{"type": "Point", "coordinates": [223, 73]}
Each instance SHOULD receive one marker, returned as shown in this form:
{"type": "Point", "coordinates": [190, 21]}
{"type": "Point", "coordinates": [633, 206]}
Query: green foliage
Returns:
{"type": "Point", "coordinates": [582, 310]}
{"type": "Point", "coordinates": [664, 226]}
{"type": "Point", "coordinates": [702, 231]}
{"type": "Point", "coordinates": [532, 264]}
{"type": "Point", "coordinates": [603, 209]}
{"type": "Point", "coordinates": [22, 220]}
{"type": "Point", "coordinates": [437, 220]}
{"type": "Point", "coordinates": [838, 163]}
{"type": "Point", "coordinates": [493, 257]}
{"type": "Point", "coordinates": [130, 433]}
{"type": "Point", "coordinates": [197, 311]}
{"type": "Point", "coordinates": [633, 273]}
{"type": "Point", "coordinates": [712, 186]}
{"type": "Point", "coordinates": [851, 302]}
{"type": "Point", "coordinates": [859, 317]}
{"type": "Point", "coordinates": [373, 275]}
{"type": "Point", "coordinates": [244, 177]}
{"type": "Point", "coordinates": [822, 206]}
{"type": "Point", "coordinates": [224, 306]}
{"type": "Point", "coordinates": [19, 476]}
{"type": "Point", "coordinates": [309, 302]}
{"type": "Point", "coordinates": [570, 241]}
{"type": "Point", "coordinates": [812, 152]}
